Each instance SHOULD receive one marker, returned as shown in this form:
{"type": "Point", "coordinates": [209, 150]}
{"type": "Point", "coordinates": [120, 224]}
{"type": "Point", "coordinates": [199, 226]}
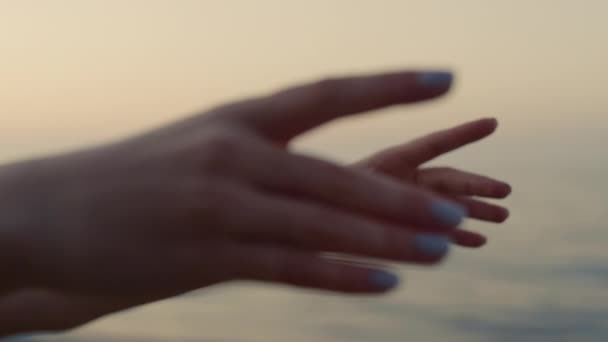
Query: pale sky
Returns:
{"type": "Point", "coordinates": [77, 72]}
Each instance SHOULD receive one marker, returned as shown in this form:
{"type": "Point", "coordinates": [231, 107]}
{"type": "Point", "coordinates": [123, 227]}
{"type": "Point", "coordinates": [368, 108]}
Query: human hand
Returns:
{"type": "Point", "coordinates": [57, 311]}
{"type": "Point", "coordinates": [404, 162]}
{"type": "Point", "coordinates": [218, 197]}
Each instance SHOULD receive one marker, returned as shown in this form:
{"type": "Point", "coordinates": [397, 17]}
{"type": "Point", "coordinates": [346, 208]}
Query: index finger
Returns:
{"type": "Point", "coordinates": [435, 144]}
{"type": "Point", "coordinates": [429, 147]}
{"type": "Point", "coordinates": [289, 112]}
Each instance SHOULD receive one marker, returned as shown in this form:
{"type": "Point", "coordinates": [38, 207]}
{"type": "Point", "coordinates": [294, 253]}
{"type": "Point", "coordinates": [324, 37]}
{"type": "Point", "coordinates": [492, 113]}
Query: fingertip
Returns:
{"type": "Point", "coordinates": [475, 244]}
{"type": "Point", "coordinates": [447, 213]}
{"type": "Point", "coordinates": [383, 280]}
{"type": "Point", "coordinates": [490, 124]}
{"type": "Point", "coordinates": [482, 242]}
{"type": "Point", "coordinates": [435, 79]}
{"type": "Point", "coordinates": [499, 215]}
{"type": "Point", "coordinates": [433, 246]}
{"type": "Point", "coordinates": [491, 120]}
{"type": "Point", "coordinates": [503, 215]}
{"type": "Point", "coordinates": [430, 249]}
{"type": "Point", "coordinates": [469, 239]}
{"type": "Point", "coordinates": [502, 190]}
{"type": "Point", "coordinates": [478, 129]}
{"type": "Point", "coordinates": [479, 242]}
{"type": "Point", "coordinates": [508, 189]}
{"type": "Point", "coordinates": [435, 83]}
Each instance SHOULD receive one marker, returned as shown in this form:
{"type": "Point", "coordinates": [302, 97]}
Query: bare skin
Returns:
{"type": "Point", "coordinates": [60, 311]}
{"type": "Point", "coordinates": [219, 197]}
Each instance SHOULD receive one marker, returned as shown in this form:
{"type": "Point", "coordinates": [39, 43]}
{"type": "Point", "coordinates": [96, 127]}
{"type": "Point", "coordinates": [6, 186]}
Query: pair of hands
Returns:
{"type": "Point", "coordinates": [219, 197]}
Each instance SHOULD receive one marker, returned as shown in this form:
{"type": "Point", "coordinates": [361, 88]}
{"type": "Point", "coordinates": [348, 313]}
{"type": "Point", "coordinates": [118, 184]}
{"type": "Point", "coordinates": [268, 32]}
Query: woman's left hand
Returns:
{"type": "Point", "coordinates": [404, 162]}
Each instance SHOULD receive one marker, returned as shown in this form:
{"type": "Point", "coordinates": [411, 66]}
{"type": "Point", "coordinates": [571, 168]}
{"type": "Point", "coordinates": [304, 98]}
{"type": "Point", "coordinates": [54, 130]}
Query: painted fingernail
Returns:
{"type": "Point", "coordinates": [383, 279]}
{"type": "Point", "coordinates": [435, 79]}
{"type": "Point", "coordinates": [432, 245]}
{"type": "Point", "coordinates": [447, 213]}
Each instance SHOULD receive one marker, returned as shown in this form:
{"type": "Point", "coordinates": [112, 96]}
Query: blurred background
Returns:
{"type": "Point", "coordinates": [80, 72]}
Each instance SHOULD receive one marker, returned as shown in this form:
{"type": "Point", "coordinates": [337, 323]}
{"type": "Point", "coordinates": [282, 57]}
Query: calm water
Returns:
{"type": "Point", "coordinates": [542, 278]}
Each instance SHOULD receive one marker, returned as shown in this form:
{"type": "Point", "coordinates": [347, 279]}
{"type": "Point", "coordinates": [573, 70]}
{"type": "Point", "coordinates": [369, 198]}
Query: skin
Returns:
{"type": "Point", "coordinates": [208, 206]}
{"type": "Point", "coordinates": [405, 163]}
{"type": "Point", "coordinates": [58, 311]}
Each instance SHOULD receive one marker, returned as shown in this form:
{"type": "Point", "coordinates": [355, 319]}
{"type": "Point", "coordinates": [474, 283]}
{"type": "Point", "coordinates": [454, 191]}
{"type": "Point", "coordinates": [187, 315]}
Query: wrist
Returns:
{"type": "Point", "coordinates": [17, 216]}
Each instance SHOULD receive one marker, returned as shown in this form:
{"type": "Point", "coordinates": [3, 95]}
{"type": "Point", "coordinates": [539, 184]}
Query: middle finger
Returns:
{"type": "Point", "coordinates": [264, 217]}
{"type": "Point", "coordinates": [346, 188]}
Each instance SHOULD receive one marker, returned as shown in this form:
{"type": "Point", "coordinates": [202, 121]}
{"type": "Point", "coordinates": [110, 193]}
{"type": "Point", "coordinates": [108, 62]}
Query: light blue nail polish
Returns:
{"type": "Point", "coordinates": [432, 245]}
{"type": "Point", "coordinates": [383, 279]}
{"type": "Point", "coordinates": [447, 213]}
{"type": "Point", "coordinates": [435, 79]}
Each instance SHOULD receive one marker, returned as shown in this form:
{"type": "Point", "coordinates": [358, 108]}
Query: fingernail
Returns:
{"type": "Point", "coordinates": [435, 79]}
{"type": "Point", "coordinates": [432, 245]}
{"type": "Point", "coordinates": [447, 213]}
{"type": "Point", "coordinates": [383, 279]}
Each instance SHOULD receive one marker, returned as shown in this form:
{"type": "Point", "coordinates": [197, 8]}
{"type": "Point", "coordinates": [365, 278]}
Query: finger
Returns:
{"type": "Point", "coordinates": [456, 182]}
{"type": "Point", "coordinates": [308, 269]}
{"type": "Point", "coordinates": [290, 112]}
{"type": "Point", "coordinates": [325, 229]}
{"type": "Point", "coordinates": [346, 188]}
{"type": "Point", "coordinates": [484, 211]}
{"type": "Point", "coordinates": [414, 153]}
{"type": "Point", "coordinates": [465, 238]}
{"type": "Point", "coordinates": [365, 193]}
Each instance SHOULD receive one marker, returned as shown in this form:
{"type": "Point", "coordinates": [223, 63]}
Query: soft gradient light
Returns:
{"type": "Point", "coordinates": [80, 72]}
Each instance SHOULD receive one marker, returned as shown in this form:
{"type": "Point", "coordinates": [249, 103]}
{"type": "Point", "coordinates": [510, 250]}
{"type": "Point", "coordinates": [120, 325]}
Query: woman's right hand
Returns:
{"type": "Point", "coordinates": [220, 197]}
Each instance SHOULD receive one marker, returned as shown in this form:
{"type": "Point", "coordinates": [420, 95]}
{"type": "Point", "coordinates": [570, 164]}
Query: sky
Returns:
{"type": "Point", "coordinates": [81, 72]}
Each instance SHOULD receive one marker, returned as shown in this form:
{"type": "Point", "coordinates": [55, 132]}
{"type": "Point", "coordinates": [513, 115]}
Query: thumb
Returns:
{"type": "Point", "coordinates": [292, 111]}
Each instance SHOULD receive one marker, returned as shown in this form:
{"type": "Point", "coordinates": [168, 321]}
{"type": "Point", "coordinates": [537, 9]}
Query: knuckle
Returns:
{"type": "Point", "coordinates": [329, 180]}
{"type": "Point", "coordinates": [219, 149]}
{"type": "Point", "coordinates": [209, 203]}
{"type": "Point", "coordinates": [405, 197]}
{"type": "Point", "coordinates": [341, 183]}
{"type": "Point", "coordinates": [222, 141]}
